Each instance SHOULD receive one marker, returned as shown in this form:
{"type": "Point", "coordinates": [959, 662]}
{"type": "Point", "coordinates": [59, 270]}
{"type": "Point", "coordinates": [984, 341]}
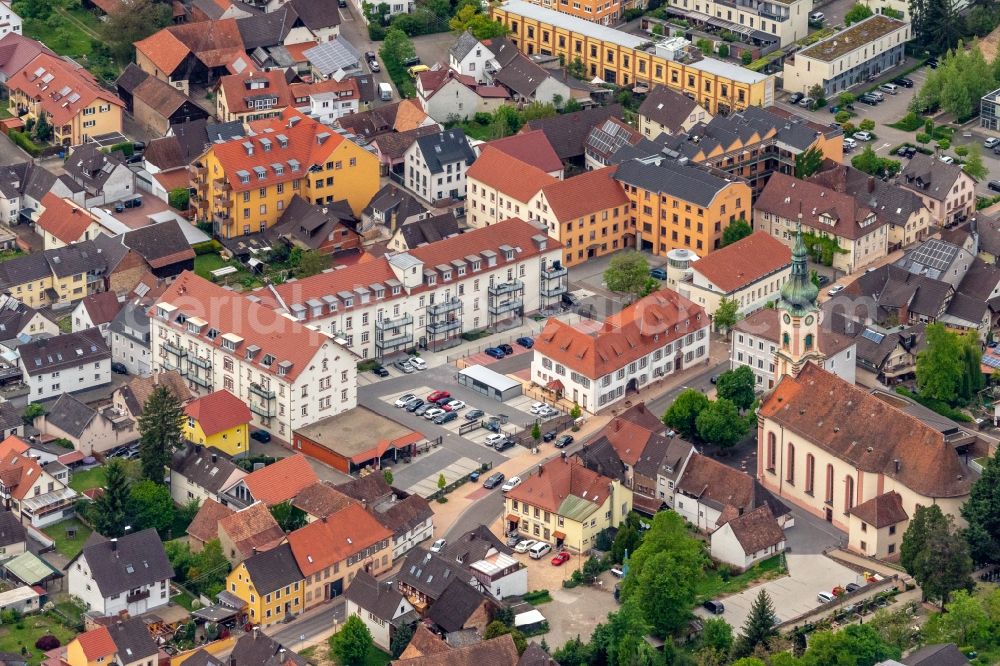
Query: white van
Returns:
{"type": "Point", "coordinates": [539, 550]}
{"type": "Point", "coordinates": [817, 17]}
{"type": "Point", "coordinates": [384, 91]}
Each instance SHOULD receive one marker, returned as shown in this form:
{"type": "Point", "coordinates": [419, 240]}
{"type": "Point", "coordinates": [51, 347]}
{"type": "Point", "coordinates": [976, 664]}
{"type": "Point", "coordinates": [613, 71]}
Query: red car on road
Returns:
{"type": "Point", "coordinates": [560, 558]}
{"type": "Point", "coordinates": [437, 396]}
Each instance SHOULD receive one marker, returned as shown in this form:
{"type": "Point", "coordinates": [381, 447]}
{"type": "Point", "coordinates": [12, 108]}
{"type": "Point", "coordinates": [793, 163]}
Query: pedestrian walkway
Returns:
{"type": "Point", "coordinates": [856, 561]}
{"type": "Point", "coordinates": [456, 470]}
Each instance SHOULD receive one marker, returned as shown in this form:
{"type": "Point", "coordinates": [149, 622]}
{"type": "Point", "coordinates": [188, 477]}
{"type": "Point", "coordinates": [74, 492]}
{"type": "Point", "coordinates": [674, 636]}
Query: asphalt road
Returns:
{"type": "Point", "coordinates": [296, 632]}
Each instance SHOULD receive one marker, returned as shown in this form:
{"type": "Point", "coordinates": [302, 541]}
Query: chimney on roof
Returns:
{"type": "Point", "coordinates": [871, 184]}
{"type": "Point", "coordinates": [896, 461]}
{"type": "Point", "coordinates": [255, 550]}
{"type": "Point", "coordinates": [541, 469]}
{"type": "Point", "coordinates": [364, 503]}
{"type": "Point", "coordinates": [215, 458]}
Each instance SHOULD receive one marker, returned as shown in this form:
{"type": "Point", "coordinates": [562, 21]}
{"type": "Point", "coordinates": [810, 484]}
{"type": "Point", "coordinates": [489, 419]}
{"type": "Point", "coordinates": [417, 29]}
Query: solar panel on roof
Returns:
{"type": "Point", "coordinates": [991, 361]}
{"type": "Point", "coordinates": [328, 57]}
{"type": "Point", "coordinates": [874, 336]}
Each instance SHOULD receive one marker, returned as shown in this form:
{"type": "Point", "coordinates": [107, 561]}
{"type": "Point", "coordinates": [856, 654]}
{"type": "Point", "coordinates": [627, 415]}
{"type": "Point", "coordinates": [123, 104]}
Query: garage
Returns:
{"type": "Point", "coordinates": [490, 383]}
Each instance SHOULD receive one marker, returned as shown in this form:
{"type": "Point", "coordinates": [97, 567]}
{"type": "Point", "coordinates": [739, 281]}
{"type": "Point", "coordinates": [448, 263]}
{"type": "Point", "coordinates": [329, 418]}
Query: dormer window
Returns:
{"type": "Point", "coordinates": [229, 345]}
{"type": "Point", "coordinates": [213, 334]}
{"type": "Point", "coordinates": [446, 276]}
{"type": "Point", "coordinates": [396, 291]}
{"type": "Point", "coordinates": [267, 361]}
{"type": "Point", "coordinates": [431, 279]}
{"type": "Point", "coordinates": [475, 265]}
{"type": "Point", "coordinates": [509, 255]}
{"type": "Point", "coordinates": [461, 271]}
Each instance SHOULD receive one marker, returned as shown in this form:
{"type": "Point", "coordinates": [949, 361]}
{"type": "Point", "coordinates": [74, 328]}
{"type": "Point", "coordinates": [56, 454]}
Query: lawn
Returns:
{"type": "Point", "coordinates": [24, 634]}
{"type": "Point", "coordinates": [66, 546]}
{"type": "Point", "coordinates": [713, 585]}
{"type": "Point", "coordinates": [476, 130]}
{"type": "Point", "coordinates": [94, 477]}
{"type": "Point", "coordinates": [184, 599]}
{"type": "Point", "coordinates": [204, 264]}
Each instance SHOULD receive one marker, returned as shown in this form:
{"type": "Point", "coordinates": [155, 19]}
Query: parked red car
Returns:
{"type": "Point", "coordinates": [560, 558]}
{"type": "Point", "coordinates": [437, 396]}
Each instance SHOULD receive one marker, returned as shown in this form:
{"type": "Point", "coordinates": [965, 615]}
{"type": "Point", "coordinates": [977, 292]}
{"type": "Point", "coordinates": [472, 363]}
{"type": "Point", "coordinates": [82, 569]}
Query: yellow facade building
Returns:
{"type": "Point", "coordinates": [621, 58]}
{"type": "Point", "coordinates": [69, 98]}
{"type": "Point", "coordinates": [566, 505]}
{"type": "Point", "coordinates": [244, 185]}
{"type": "Point", "coordinates": [270, 584]}
{"type": "Point", "coordinates": [220, 420]}
{"type": "Point", "coordinates": [677, 205]}
{"type": "Point", "coordinates": [54, 277]}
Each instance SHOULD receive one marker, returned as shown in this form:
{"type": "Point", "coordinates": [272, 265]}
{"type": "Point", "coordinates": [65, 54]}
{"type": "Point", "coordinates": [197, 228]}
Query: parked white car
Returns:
{"type": "Point", "coordinates": [433, 412]}
{"type": "Point", "coordinates": [402, 400]}
{"type": "Point", "coordinates": [512, 482]}
{"type": "Point", "coordinates": [523, 546]}
{"type": "Point", "coordinates": [454, 405]}
{"type": "Point", "coordinates": [418, 363]}
{"type": "Point", "coordinates": [495, 439]}
{"type": "Point", "coordinates": [439, 545]}
{"type": "Point", "coordinates": [947, 159]}
{"type": "Point", "coordinates": [536, 407]}
{"type": "Point", "coordinates": [863, 136]}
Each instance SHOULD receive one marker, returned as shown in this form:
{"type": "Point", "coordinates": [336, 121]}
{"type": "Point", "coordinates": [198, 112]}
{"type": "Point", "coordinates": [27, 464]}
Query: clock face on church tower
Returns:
{"type": "Point", "coordinates": [809, 320]}
{"type": "Point", "coordinates": [788, 319]}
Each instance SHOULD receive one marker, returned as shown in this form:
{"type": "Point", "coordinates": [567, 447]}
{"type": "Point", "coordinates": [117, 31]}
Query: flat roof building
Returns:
{"type": "Point", "coordinates": [489, 382]}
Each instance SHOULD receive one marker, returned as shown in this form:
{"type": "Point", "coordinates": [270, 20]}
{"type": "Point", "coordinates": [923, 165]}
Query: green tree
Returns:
{"type": "Point", "coordinates": [160, 432]}
{"type": "Point", "coordinates": [726, 315]}
{"type": "Point", "coordinates": [867, 124]}
{"type": "Point", "coordinates": [935, 554]}
{"type": "Point", "coordinates": [536, 432]}
{"type": "Point", "coordinates": [441, 481]}
{"type": "Point", "coordinates": [808, 163]}
{"type": "Point", "coordinates": [289, 517]}
{"type": "Point", "coordinates": [627, 273]}
{"type": "Point", "coordinates": [982, 513]}
{"type": "Point", "coordinates": [112, 508]}
{"type": "Point", "coordinates": [400, 639]}
{"type": "Point", "coordinates": [941, 366]}
{"type": "Point", "coordinates": [626, 540]}
{"type": "Point", "coordinates": [738, 230]}
{"type": "Point", "coordinates": [746, 58]}
{"type": "Point", "coordinates": [151, 506]}
{"type": "Point", "coordinates": [871, 163]}
{"type": "Point", "coordinates": [759, 627]}
{"type": "Point", "coordinates": [311, 263]}
{"type": "Point", "coordinates": [351, 644]}
{"type": "Point", "coordinates": [396, 48]}
{"type": "Point", "coordinates": [387, 475]}
{"type": "Point", "coordinates": [32, 412]}
{"type": "Point", "coordinates": [845, 99]}
{"type": "Point", "coordinates": [132, 21]}
{"type": "Point", "coordinates": [895, 628]}
{"type": "Point", "coordinates": [738, 386]}
{"type": "Point", "coordinates": [575, 412]}
{"type": "Point", "coordinates": [592, 568]}
{"type": "Point", "coordinates": [666, 590]}
{"type": "Point", "coordinates": [856, 645]}
{"type": "Point", "coordinates": [682, 415]}
{"type": "Point", "coordinates": [818, 93]}
{"type": "Point", "coordinates": [669, 535]}
{"type": "Point", "coordinates": [723, 50]}
{"type": "Point", "coordinates": [179, 198]}
{"type": "Point", "coordinates": [974, 163]}
{"type": "Point", "coordinates": [717, 635]}
{"type": "Point", "coordinates": [207, 570]}
{"type": "Point", "coordinates": [749, 661]}
{"type": "Point", "coordinates": [859, 12]}
{"type": "Point", "coordinates": [966, 622]}
{"type": "Point", "coordinates": [506, 122]}
{"type": "Point", "coordinates": [721, 424]}
{"type": "Point", "coordinates": [496, 628]}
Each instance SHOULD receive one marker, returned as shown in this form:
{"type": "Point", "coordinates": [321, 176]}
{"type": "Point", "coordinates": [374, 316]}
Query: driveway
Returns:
{"type": "Point", "coordinates": [10, 153]}
{"type": "Point", "coordinates": [809, 572]}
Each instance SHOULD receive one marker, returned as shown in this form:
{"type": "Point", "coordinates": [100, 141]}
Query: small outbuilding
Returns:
{"type": "Point", "coordinates": [489, 382]}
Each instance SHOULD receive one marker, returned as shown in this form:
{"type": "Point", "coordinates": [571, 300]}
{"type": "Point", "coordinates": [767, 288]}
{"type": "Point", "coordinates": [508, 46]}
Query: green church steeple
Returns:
{"type": "Point", "coordinates": [798, 295]}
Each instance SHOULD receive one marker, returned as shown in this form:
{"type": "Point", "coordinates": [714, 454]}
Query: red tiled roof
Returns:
{"type": "Point", "coordinates": [594, 349]}
{"type": "Point", "coordinates": [558, 479]}
{"type": "Point", "coordinates": [18, 473]}
{"type": "Point", "coordinates": [871, 435]}
{"type": "Point", "coordinates": [234, 88]}
{"type": "Point", "coordinates": [531, 147]}
{"type": "Point", "coordinates": [582, 195]}
{"type": "Point", "coordinates": [630, 431]}
{"type": "Point", "coordinates": [757, 530]}
{"type": "Point", "coordinates": [218, 411]}
{"type": "Point", "coordinates": [322, 542]}
{"type": "Point", "coordinates": [508, 175]}
{"type": "Point", "coordinates": [281, 481]}
{"type": "Point", "coordinates": [164, 50]}
{"type": "Point", "coordinates": [97, 643]}
{"type": "Point", "coordinates": [252, 529]}
{"type": "Point", "coordinates": [215, 43]}
{"type": "Point", "coordinates": [513, 232]}
{"type": "Point", "coordinates": [46, 76]}
{"type": "Point", "coordinates": [297, 51]}
{"type": "Point", "coordinates": [205, 525]}
{"type": "Point", "coordinates": [787, 197]}
{"type": "Point", "coordinates": [882, 510]}
{"type": "Point", "coordinates": [431, 80]}
{"type": "Point", "coordinates": [745, 261]}
{"type": "Point", "coordinates": [303, 145]}
{"type": "Point", "coordinates": [102, 307]}
{"type": "Point", "coordinates": [275, 334]}
{"type": "Point", "coordinates": [321, 500]}
{"type": "Point", "coordinates": [63, 219]}
{"type": "Point", "coordinates": [13, 445]}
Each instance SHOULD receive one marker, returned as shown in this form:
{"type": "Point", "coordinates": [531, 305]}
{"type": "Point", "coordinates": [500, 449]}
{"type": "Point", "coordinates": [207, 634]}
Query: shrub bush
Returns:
{"type": "Point", "coordinates": [911, 122]}
{"type": "Point", "coordinates": [25, 142]}
{"type": "Point", "coordinates": [632, 14]}
{"type": "Point", "coordinates": [208, 247]}
{"type": "Point", "coordinates": [47, 642]}
{"type": "Point", "coordinates": [746, 57]}
{"type": "Point", "coordinates": [923, 137]}
{"type": "Point", "coordinates": [961, 151]}
{"type": "Point", "coordinates": [944, 144]}
{"type": "Point", "coordinates": [482, 118]}
{"type": "Point", "coordinates": [723, 50]}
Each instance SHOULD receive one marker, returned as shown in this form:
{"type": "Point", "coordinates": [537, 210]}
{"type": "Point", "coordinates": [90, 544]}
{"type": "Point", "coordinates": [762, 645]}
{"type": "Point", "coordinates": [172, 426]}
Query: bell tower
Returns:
{"type": "Point", "coordinates": [799, 333]}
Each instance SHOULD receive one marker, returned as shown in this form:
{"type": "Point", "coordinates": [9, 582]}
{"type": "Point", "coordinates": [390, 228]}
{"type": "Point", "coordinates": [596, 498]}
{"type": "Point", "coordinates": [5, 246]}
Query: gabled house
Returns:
{"type": "Point", "coordinates": [13, 537]}
{"type": "Point", "coordinates": [499, 651]}
{"type": "Point", "coordinates": [380, 606]}
{"type": "Point", "coordinates": [54, 277]}
{"type": "Point", "coordinates": [444, 93]}
{"type": "Point", "coordinates": [202, 474]}
{"type": "Point", "coordinates": [247, 532]}
{"type": "Point", "coordinates": [389, 209]}
{"type": "Point", "coordinates": [407, 515]}
{"type": "Point", "coordinates": [402, 116]}
{"type": "Point", "coordinates": [331, 551]}
{"type": "Point", "coordinates": [270, 584]}
{"type": "Point", "coordinates": [161, 249]}
{"type": "Point", "coordinates": [192, 52]}
{"type": "Point", "coordinates": [16, 51]}
{"type": "Point", "coordinates": [279, 482]}
{"type": "Point", "coordinates": [62, 222]}
{"type": "Point", "coordinates": [18, 319]}
{"type": "Point", "coordinates": [946, 189]}
{"type": "Point", "coordinates": [252, 95]}
{"type": "Point", "coordinates": [105, 177]}
{"type": "Point", "coordinates": [128, 332]}
{"type": "Point", "coordinates": [667, 110]}
{"type": "Point", "coordinates": [528, 82]}
{"type": "Point", "coordinates": [436, 165]}
{"type": "Point", "coordinates": [219, 420]}
{"type": "Point", "coordinates": [96, 311]}
{"type": "Point", "coordinates": [470, 56]}
{"type": "Point", "coordinates": [125, 642]}
{"type": "Point", "coordinates": [29, 489]}
{"type": "Point", "coordinates": [154, 103]}
{"type": "Point", "coordinates": [130, 574]}
{"type": "Point", "coordinates": [66, 363]}
{"type": "Point", "coordinates": [424, 231]}
{"type": "Point", "coordinates": [326, 228]}
{"type": "Point", "coordinates": [493, 568]}
{"type": "Point", "coordinates": [89, 430]}
{"type": "Point", "coordinates": [501, 187]}
{"type": "Point", "coordinates": [744, 540]}
{"type": "Point", "coordinates": [531, 147]}
{"type": "Point", "coordinates": [462, 607]}
{"type": "Point", "coordinates": [130, 398]}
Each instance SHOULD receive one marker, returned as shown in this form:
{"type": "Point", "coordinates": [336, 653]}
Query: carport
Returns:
{"type": "Point", "coordinates": [489, 382]}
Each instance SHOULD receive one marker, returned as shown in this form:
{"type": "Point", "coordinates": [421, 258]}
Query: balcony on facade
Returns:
{"type": "Point", "coordinates": [506, 288]}
{"type": "Point", "coordinates": [200, 362]}
{"type": "Point", "coordinates": [393, 334]}
{"type": "Point", "coordinates": [203, 382]}
{"type": "Point", "coordinates": [444, 308]}
{"type": "Point", "coordinates": [263, 410]}
{"type": "Point", "coordinates": [260, 392]}
{"type": "Point", "coordinates": [137, 596]}
{"type": "Point", "coordinates": [554, 281]}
